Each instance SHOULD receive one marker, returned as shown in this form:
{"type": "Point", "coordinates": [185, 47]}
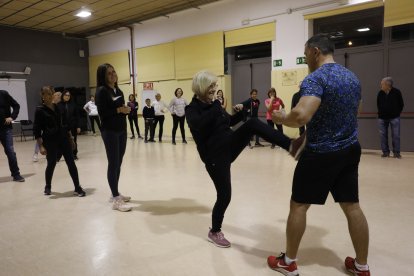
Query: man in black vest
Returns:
{"type": "Point", "coordinates": [390, 104]}
{"type": "Point", "coordinates": [6, 136]}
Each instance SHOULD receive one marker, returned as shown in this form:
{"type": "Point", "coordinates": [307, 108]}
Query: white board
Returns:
{"type": "Point", "coordinates": [17, 89]}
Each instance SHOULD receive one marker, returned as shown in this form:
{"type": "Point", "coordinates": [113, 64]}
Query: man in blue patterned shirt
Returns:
{"type": "Point", "coordinates": [329, 102]}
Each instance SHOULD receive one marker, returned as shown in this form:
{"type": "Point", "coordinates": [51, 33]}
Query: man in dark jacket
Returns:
{"type": "Point", "coordinates": [390, 105]}
{"type": "Point", "coordinates": [6, 136]}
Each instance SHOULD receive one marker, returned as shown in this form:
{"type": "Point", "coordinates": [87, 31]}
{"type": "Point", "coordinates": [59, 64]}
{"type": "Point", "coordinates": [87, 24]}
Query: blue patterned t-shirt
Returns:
{"type": "Point", "coordinates": [334, 125]}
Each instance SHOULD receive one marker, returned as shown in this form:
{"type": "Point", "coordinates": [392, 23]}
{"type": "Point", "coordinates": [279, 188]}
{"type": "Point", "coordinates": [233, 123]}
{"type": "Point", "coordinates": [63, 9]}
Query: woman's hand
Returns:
{"type": "Point", "coordinates": [42, 150]}
{"type": "Point", "coordinates": [238, 107]}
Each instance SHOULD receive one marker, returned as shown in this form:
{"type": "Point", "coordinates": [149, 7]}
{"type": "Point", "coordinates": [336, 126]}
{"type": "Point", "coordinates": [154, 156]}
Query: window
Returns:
{"type": "Point", "coordinates": [402, 32]}
{"type": "Point", "coordinates": [353, 29]}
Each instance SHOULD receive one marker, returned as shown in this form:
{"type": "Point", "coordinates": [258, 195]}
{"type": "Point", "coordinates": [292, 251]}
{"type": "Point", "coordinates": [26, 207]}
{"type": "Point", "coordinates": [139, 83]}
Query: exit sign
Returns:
{"type": "Point", "coordinates": [277, 63]}
{"type": "Point", "coordinates": [301, 60]}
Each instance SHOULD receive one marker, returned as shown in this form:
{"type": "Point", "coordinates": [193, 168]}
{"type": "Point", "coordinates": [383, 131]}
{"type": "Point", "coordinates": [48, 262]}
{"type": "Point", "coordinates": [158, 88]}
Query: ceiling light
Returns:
{"type": "Point", "coordinates": [366, 29]}
{"type": "Point", "coordinates": [84, 13]}
{"type": "Point", "coordinates": [350, 43]}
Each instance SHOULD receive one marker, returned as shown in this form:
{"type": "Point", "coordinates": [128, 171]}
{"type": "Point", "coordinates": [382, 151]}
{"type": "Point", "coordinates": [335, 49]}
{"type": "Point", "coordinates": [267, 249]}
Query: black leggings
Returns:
{"type": "Point", "coordinates": [272, 125]}
{"type": "Point", "coordinates": [149, 127]}
{"type": "Point", "coordinates": [134, 121]}
{"type": "Point", "coordinates": [219, 168]}
{"type": "Point", "coordinates": [98, 123]}
{"type": "Point", "coordinates": [63, 146]}
{"type": "Point", "coordinates": [159, 119]}
{"type": "Point", "coordinates": [176, 120]}
{"type": "Point", "coordinates": [115, 145]}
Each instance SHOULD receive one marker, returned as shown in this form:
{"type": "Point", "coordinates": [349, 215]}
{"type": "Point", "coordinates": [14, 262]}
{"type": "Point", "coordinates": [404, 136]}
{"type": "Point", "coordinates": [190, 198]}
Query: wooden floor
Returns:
{"type": "Point", "coordinates": [165, 234]}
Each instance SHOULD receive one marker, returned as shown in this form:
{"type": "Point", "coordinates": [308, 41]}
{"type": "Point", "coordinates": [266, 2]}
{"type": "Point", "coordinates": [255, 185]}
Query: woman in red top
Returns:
{"type": "Point", "coordinates": [273, 103]}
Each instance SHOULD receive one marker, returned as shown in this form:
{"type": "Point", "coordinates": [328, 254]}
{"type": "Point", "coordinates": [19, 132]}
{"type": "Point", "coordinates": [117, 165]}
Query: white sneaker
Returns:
{"type": "Point", "coordinates": [120, 205]}
{"type": "Point", "coordinates": [124, 198]}
{"type": "Point", "coordinates": [35, 158]}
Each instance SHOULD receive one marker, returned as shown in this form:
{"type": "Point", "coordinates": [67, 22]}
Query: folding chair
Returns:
{"type": "Point", "coordinates": [26, 126]}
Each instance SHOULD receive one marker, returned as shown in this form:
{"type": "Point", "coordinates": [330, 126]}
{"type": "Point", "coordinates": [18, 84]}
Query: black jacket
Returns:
{"type": "Point", "coordinates": [210, 126]}
{"type": "Point", "coordinates": [390, 106]}
{"type": "Point", "coordinates": [48, 124]}
{"type": "Point", "coordinates": [251, 107]}
{"type": "Point", "coordinates": [148, 112]}
{"type": "Point", "coordinates": [107, 102]}
{"type": "Point", "coordinates": [70, 115]}
{"type": "Point", "coordinates": [7, 102]}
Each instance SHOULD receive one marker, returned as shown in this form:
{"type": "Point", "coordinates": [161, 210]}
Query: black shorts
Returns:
{"type": "Point", "coordinates": [317, 174]}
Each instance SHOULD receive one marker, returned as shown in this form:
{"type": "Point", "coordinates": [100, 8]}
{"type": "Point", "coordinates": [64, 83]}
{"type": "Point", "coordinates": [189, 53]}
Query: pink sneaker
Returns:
{"type": "Point", "coordinates": [278, 264]}
{"type": "Point", "coordinates": [350, 266]}
{"type": "Point", "coordinates": [218, 239]}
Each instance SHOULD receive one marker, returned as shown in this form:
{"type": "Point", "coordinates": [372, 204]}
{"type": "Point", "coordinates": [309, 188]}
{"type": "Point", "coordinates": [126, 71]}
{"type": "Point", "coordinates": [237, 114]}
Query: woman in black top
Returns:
{"type": "Point", "coordinates": [112, 111]}
{"type": "Point", "coordinates": [133, 116]}
{"type": "Point", "coordinates": [218, 145]}
{"type": "Point", "coordinates": [52, 136]}
{"type": "Point", "coordinates": [70, 119]}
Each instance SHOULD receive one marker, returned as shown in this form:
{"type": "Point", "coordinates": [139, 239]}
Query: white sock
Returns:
{"type": "Point", "coordinates": [361, 267]}
{"type": "Point", "coordinates": [288, 260]}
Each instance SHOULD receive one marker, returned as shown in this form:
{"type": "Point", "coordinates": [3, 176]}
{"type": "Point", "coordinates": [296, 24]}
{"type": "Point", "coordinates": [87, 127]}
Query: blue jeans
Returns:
{"type": "Point", "coordinates": [6, 138]}
{"type": "Point", "coordinates": [395, 134]}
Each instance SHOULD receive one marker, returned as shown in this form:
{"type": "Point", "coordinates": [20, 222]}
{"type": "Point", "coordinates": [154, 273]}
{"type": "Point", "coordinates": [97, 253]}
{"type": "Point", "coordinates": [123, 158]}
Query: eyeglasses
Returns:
{"type": "Point", "coordinates": [213, 87]}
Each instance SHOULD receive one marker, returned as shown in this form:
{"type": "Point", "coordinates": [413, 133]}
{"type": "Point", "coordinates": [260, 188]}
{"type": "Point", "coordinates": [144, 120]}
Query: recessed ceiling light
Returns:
{"type": "Point", "coordinates": [83, 14]}
{"type": "Point", "coordinates": [364, 29]}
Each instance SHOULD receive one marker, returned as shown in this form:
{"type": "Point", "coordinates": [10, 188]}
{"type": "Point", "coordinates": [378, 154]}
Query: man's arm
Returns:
{"type": "Point", "coordinates": [16, 108]}
{"type": "Point", "coordinates": [300, 115]}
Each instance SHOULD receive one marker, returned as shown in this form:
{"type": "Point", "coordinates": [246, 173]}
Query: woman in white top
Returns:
{"type": "Point", "coordinates": [160, 108]}
{"type": "Point", "coordinates": [177, 109]}
{"type": "Point", "coordinates": [92, 110]}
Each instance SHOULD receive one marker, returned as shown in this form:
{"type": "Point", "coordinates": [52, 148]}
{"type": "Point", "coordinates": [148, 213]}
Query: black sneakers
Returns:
{"type": "Point", "coordinates": [18, 178]}
{"type": "Point", "coordinates": [79, 192]}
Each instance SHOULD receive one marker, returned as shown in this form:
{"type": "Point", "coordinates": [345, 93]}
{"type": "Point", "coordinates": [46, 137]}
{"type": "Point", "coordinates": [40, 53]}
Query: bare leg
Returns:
{"type": "Point", "coordinates": [295, 228]}
{"type": "Point", "coordinates": [358, 229]}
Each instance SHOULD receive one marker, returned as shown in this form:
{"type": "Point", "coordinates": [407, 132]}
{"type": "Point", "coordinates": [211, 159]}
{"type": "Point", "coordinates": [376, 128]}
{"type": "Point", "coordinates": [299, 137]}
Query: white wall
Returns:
{"type": "Point", "coordinates": [291, 29]}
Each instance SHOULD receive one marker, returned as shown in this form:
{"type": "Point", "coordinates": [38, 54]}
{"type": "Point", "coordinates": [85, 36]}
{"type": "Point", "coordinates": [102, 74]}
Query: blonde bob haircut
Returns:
{"type": "Point", "coordinates": [202, 82]}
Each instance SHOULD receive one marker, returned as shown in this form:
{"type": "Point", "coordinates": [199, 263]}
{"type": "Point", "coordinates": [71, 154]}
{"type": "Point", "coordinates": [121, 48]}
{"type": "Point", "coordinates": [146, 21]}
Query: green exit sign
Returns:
{"type": "Point", "coordinates": [301, 60]}
{"type": "Point", "coordinates": [277, 63]}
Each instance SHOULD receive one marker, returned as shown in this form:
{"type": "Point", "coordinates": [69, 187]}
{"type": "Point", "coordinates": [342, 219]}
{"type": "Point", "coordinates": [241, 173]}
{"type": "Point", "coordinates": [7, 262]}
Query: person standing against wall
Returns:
{"type": "Point", "coordinates": [177, 109]}
{"type": "Point", "coordinates": [6, 136]}
{"type": "Point", "coordinates": [390, 105]}
{"type": "Point", "coordinates": [273, 103]}
{"type": "Point", "coordinates": [112, 111]}
{"type": "Point", "coordinates": [133, 116]}
{"type": "Point", "coordinates": [92, 110]}
{"type": "Point", "coordinates": [251, 107]}
{"type": "Point", "coordinates": [160, 109]}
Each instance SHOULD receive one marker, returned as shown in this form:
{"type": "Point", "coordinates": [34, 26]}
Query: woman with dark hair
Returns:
{"type": "Point", "coordinates": [220, 97]}
{"type": "Point", "coordinates": [251, 107]}
{"type": "Point", "coordinates": [177, 108]}
{"type": "Point", "coordinates": [133, 116]}
{"type": "Point", "coordinates": [219, 146]}
{"type": "Point", "coordinates": [70, 119]}
{"type": "Point", "coordinates": [51, 136]}
{"type": "Point", "coordinates": [273, 103]}
{"type": "Point", "coordinates": [112, 111]}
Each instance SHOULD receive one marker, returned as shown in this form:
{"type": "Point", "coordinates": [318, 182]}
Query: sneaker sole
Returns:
{"type": "Point", "coordinates": [285, 272]}
{"type": "Point", "coordinates": [218, 245]}
{"type": "Point", "coordinates": [124, 210]}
